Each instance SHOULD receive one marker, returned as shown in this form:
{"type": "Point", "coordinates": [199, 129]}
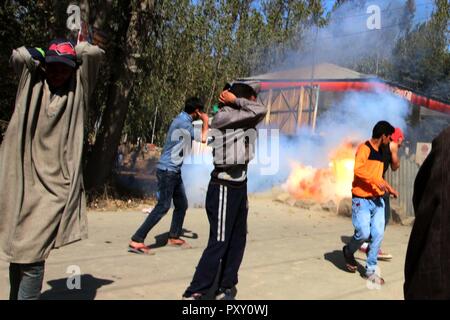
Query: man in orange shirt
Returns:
{"type": "Point", "coordinates": [368, 190]}
{"type": "Point", "coordinates": [391, 159]}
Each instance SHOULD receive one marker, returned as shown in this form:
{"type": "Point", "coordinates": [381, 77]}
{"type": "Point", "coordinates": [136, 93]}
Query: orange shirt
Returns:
{"type": "Point", "coordinates": [368, 170]}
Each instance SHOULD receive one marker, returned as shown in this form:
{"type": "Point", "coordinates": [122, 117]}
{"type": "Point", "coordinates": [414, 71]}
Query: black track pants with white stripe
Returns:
{"type": "Point", "coordinates": [227, 209]}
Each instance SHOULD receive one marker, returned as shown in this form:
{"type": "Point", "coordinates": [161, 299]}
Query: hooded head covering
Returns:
{"type": "Point", "coordinates": [255, 86]}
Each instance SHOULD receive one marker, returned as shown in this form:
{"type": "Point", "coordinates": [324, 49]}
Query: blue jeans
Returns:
{"type": "Point", "coordinates": [170, 186]}
{"type": "Point", "coordinates": [26, 280]}
{"type": "Point", "coordinates": [368, 219]}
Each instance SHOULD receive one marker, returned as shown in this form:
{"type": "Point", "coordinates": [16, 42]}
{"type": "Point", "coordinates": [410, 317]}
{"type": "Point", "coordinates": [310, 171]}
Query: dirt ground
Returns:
{"type": "Point", "coordinates": [291, 254]}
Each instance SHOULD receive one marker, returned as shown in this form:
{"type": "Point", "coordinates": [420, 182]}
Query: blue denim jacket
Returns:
{"type": "Point", "coordinates": [181, 133]}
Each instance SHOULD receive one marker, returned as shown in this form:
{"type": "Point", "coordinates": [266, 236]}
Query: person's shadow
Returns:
{"type": "Point", "coordinates": [87, 291]}
{"type": "Point", "coordinates": [161, 239]}
{"type": "Point", "coordinates": [336, 257]}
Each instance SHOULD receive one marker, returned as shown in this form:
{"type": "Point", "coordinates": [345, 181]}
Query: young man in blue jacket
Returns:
{"type": "Point", "coordinates": [168, 173]}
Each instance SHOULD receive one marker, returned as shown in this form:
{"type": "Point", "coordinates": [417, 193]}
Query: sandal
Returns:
{"type": "Point", "coordinates": [139, 248]}
{"type": "Point", "coordinates": [350, 263]}
{"type": "Point", "coordinates": [177, 242]}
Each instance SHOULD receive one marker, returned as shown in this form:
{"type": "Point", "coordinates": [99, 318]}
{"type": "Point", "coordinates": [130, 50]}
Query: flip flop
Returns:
{"type": "Point", "coordinates": [140, 249]}
{"type": "Point", "coordinates": [351, 268]}
{"type": "Point", "coordinates": [180, 243]}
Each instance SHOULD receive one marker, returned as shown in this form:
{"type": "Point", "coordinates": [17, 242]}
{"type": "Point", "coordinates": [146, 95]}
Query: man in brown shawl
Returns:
{"type": "Point", "coordinates": [427, 265]}
{"type": "Point", "coordinates": [42, 202]}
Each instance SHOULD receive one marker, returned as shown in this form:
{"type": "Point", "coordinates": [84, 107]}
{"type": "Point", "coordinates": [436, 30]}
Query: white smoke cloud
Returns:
{"type": "Point", "coordinates": [196, 177]}
{"type": "Point", "coordinates": [344, 41]}
{"type": "Point", "coordinates": [352, 118]}
{"type": "Point", "coordinates": [349, 36]}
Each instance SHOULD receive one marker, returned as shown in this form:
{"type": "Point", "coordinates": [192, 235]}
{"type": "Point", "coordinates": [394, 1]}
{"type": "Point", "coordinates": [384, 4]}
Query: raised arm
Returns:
{"type": "Point", "coordinates": [205, 126]}
{"type": "Point", "coordinates": [90, 57]}
{"type": "Point", "coordinates": [395, 161]}
{"type": "Point", "coordinates": [22, 58]}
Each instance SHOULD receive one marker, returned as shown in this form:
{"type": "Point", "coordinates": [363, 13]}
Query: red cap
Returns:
{"type": "Point", "coordinates": [61, 51]}
{"type": "Point", "coordinates": [397, 135]}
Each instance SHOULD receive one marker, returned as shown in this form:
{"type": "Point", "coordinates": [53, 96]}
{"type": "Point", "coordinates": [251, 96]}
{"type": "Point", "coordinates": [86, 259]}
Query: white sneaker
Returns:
{"type": "Point", "coordinates": [375, 279]}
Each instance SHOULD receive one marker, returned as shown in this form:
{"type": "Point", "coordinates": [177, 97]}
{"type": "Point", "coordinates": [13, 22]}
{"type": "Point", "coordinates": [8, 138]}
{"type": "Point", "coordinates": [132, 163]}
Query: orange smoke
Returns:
{"type": "Point", "coordinates": [323, 184]}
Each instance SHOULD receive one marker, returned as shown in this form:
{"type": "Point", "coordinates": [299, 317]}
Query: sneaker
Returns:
{"type": "Point", "coordinates": [364, 248]}
{"type": "Point", "coordinates": [350, 262]}
{"type": "Point", "coordinates": [177, 242]}
{"type": "Point", "coordinates": [384, 255]}
{"type": "Point", "coordinates": [226, 294]}
{"type": "Point", "coordinates": [381, 255]}
{"type": "Point", "coordinates": [194, 296]}
{"type": "Point", "coordinates": [375, 279]}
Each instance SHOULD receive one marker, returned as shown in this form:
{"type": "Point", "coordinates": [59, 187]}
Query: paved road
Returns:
{"type": "Point", "coordinates": [291, 254]}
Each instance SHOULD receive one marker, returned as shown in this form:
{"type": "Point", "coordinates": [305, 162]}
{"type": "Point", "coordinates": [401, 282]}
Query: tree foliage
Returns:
{"type": "Point", "coordinates": [161, 52]}
{"type": "Point", "coordinates": [422, 58]}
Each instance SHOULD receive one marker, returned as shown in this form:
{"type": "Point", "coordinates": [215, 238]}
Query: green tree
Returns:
{"type": "Point", "coordinates": [422, 58]}
{"type": "Point", "coordinates": [158, 54]}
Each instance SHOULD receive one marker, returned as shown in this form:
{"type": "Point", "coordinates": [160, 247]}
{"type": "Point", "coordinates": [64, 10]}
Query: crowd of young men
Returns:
{"type": "Point", "coordinates": [42, 201]}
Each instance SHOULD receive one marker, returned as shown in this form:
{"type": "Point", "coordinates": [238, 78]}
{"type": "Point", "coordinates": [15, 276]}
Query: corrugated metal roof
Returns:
{"type": "Point", "coordinates": [323, 71]}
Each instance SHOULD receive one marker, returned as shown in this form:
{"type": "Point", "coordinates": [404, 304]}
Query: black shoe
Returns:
{"type": "Point", "coordinates": [350, 262]}
{"type": "Point", "coordinates": [226, 294]}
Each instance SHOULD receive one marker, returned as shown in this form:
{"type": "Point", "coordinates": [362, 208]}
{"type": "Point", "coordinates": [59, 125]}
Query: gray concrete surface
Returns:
{"type": "Point", "coordinates": [291, 254]}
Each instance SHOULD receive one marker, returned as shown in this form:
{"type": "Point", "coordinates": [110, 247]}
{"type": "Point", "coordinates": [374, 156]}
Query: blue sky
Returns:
{"type": "Point", "coordinates": [424, 7]}
{"type": "Point", "coordinates": [329, 4]}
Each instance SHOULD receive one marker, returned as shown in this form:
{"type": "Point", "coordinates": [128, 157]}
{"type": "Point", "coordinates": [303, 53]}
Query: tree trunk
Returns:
{"type": "Point", "coordinates": [124, 66]}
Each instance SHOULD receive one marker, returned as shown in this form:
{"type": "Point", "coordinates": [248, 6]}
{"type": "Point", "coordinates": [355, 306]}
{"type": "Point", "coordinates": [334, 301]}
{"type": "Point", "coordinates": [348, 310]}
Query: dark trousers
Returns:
{"type": "Point", "coordinates": [387, 209]}
{"type": "Point", "coordinates": [227, 210]}
{"type": "Point", "coordinates": [26, 280]}
{"type": "Point", "coordinates": [170, 186]}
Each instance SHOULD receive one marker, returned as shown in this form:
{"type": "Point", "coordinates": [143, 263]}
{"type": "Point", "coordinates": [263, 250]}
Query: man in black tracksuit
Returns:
{"type": "Point", "coordinates": [234, 136]}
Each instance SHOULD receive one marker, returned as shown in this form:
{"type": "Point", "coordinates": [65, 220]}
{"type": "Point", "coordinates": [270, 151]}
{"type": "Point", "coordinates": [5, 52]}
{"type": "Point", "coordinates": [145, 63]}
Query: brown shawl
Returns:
{"type": "Point", "coordinates": [427, 266]}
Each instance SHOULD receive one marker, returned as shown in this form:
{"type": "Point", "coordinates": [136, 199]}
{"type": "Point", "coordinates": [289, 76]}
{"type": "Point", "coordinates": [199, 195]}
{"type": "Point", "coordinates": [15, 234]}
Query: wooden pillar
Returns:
{"type": "Point", "coordinates": [316, 107]}
{"type": "Point", "coordinates": [300, 107]}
